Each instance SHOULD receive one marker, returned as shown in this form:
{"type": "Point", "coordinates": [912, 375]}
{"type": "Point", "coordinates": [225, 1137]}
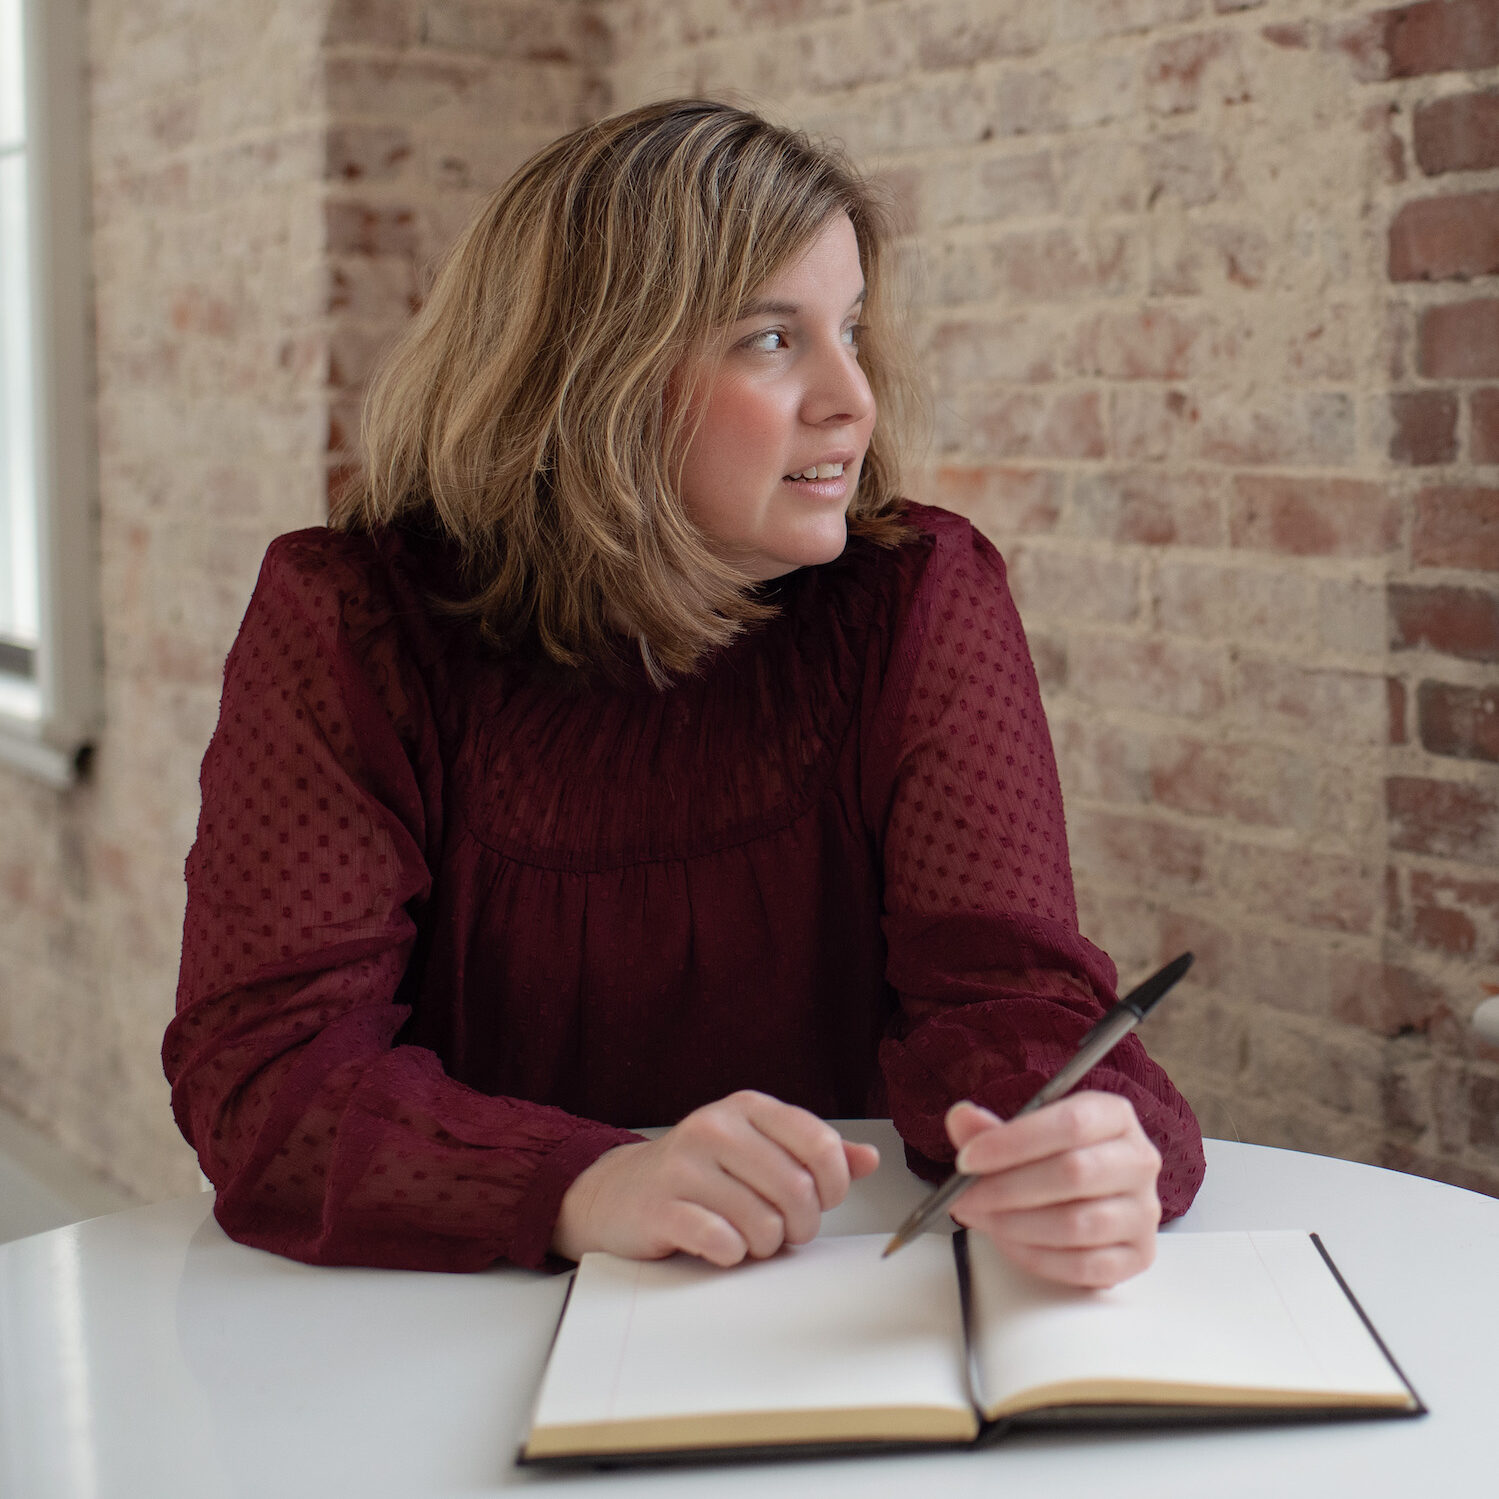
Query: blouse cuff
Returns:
{"type": "Point", "coordinates": [536, 1213]}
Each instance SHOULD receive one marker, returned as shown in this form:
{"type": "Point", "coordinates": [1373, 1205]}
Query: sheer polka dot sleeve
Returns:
{"type": "Point", "coordinates": [322, 807]}
{"type": "Point", "coordinates": [996, 984]}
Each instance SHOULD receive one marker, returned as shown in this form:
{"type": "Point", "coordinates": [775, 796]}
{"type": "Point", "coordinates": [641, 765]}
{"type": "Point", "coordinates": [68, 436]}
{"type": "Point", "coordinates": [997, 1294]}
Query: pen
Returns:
{"type": "Point", "coordinates": [1091, 1050]}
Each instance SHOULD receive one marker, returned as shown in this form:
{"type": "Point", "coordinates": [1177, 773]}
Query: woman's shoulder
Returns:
{"type": "Point", "coordinates": [342, 582]}
{"type": "Point", "coordinates": [952, 540]}
{"type": "Point", "coordinates": [942, 552]}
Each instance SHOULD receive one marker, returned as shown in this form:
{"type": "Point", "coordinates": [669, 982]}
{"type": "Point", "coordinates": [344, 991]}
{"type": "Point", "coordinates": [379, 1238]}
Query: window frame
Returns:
{"type": "Point", "coordinates": [54, 744]}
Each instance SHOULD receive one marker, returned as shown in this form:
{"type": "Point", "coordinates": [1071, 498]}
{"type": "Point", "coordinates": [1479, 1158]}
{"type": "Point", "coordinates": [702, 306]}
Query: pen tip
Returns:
{"type": "Point", "coordinates": [891, 1247]}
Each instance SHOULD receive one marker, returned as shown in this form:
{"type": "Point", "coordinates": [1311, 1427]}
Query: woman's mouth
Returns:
{"type": "Point", "coordinates": [817, 471]}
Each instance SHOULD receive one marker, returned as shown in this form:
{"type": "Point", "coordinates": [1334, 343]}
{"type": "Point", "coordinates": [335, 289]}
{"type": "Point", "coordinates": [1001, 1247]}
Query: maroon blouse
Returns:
{"type": "Point", "coordinates": [456, 920]}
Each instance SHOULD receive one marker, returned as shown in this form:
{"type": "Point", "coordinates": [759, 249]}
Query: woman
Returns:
{"type": "Point", "coordinates": [629, 752]}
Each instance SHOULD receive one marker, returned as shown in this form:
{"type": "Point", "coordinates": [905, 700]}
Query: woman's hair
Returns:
{"type": "Point", "coordinates": [526, 414]}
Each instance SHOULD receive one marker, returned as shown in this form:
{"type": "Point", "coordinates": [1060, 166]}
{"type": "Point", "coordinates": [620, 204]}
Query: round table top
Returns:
{"type": "Point", "coordinates": [145, 1354]}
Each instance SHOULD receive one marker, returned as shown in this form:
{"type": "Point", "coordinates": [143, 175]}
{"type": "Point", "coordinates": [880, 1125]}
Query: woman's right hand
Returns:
{"type": "Point", "coordinates": [736, 1178]}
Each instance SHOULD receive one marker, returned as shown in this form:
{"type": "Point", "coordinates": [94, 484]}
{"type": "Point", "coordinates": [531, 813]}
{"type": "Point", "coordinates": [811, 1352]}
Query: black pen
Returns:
{"type": "Point", "coordinates": [1091, 1050]}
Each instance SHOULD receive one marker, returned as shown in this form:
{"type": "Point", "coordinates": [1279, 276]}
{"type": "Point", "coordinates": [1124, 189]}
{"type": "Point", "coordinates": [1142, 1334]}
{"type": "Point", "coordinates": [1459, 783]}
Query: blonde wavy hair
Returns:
{"type": "Point", "coordinates": [526, 414]}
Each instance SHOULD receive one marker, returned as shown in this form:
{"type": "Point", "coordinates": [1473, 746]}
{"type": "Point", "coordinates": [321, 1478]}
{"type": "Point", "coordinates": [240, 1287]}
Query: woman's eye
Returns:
{"type": "Point", "coordinates": [769, 342]}
{"type": "Point", "coordinates": [853, 334]}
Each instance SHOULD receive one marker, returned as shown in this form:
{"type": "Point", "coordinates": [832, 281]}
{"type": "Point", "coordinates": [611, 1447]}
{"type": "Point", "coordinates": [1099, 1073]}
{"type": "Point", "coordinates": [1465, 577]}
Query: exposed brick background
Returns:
{"type": "Point", "coordinates": [1207, 292]}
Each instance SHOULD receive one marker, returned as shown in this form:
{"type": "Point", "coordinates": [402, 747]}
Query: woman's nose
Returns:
{"type": "Point", "coordinates": [839, 392]}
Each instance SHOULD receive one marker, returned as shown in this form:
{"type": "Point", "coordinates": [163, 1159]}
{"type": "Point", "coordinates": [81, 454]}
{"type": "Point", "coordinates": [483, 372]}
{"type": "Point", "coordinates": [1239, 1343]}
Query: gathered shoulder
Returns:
{"type": "Point", "coordinates": [340, 582]}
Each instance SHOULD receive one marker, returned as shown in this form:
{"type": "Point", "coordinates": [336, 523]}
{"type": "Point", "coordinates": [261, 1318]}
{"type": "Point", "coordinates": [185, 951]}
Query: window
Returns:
{"type": "Point", "coordinates": [48, 676]}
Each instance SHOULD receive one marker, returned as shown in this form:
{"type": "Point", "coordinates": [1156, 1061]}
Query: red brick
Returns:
{"type": "Point", "coordinates": [1141, 507]}
{"type": "Point", "coordinates": [1447, 819]}
{"type": "Point", "coordinates": [1456, 916]}
{"type": "Point", "coordinates": [1325, 704]}
{"type": "Point", "coordinates": [1204, 600]}
{"type": "Point", "coordinates": [344, 413]}
{"type": "Point", "coordinates": [1301, 887]}
{"type": "Point", "coordinates": [1022, 424]}
{"type": "Point", "coordinates": [1012, 186]}
{"type": "Point", "coordinates": [1152, 343]}
{"type": "Point", "coordinates": [1100, 174]}
{"type": "Point", "coordinates": [1458, 134]}
{"type": "Point", "coordinates": [1459, 340]}
{"type": "Point", "coordinates": [196, 311]}
{"type": "Point", "coordinates": [1078, 19]}
{"type": "Point", "coordinates": [1462, 622]}
{"type": "Point", "coordinates": [364, 229]}
{"type": "Point", "coordinates": [1456, 527]}
{"type": "Point", "coordinates": [1313, 517]}
{"type": "Point", "coordinates": [1444, 239]}
{"type": "Point", "coordinates": [1281, 427]}
{"type": "Point", "coordinates": [1440, 36]}
{"type": "Point", "coordinates": [1103, 761]}
{"type": "Point", "coordinates": [1483, 1110]}
{"type": "Point", "coordinates": [1146, 423]}
{"type": "Point", "coordinates": [366, 152]}
{"type": "Point", "coordinates": [1075, 586]}
{"type": "Point", "coordinates": [353, 354]}
{"type": "Point", "coordinates": [1020, 348]}
{"type": "Point", "coordinates": [1002, 501]}
{"type": "Point", "coordinates": [1247, 783]}
{"type": "Point", "coordinates": [389, 23]}
{"type": "Point", "coordinates": [1285, 972]}
{"type": "Point", "coordinates": [411, 85]}
{"type": "Point", "coordinates": [376, 288]}
{"type": "Point", "coordinates": [1423, 427]}
{"type": "Point", "coordinates": [1058, 265]}
{"type": "Point", "coordinates": [1294, 35]}
{"type": "Point", "coordinates": [1199, 257]}
{"type": "Point", "coordinates": [1139, 851]}
{"type": "Point", "coordinates": [1172, 677]}
{"type": "Point", "coordinates": [1049, 657]}
{"type": "Point", "coordinates": [1185, 168]}
{"type": "Point", "coordinates": [1459, 721]}
{"type": "Point", "coordinates": [1483, 426]}
{"type": "Point", "coordinates": [1384, 998]}
{"type": "Point", "coordinates": [540, 33]}
{"type": "Point", "coordinates": [1181, 71]}
{"type": "Point", "coordinates": [949, 36]}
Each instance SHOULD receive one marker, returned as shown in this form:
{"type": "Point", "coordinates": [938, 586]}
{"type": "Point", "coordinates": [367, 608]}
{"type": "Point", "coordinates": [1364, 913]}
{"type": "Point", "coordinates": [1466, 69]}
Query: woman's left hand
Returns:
{"type": "Point", "coordinates": [1068, 1192]}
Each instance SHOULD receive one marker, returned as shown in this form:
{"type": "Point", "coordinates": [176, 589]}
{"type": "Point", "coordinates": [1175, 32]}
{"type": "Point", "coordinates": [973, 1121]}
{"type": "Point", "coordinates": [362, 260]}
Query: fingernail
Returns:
{"type": "Point", "coordinates": [964, 1162]}
{"type": "Point", "coordinates": [961, 1103]}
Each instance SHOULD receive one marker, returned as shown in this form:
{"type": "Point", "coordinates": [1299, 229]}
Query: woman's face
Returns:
{"type": "Point", "coordinates": [782, 396]}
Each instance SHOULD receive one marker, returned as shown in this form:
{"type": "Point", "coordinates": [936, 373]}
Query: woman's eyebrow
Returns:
{"type": "Point", "coordinates": [759, 307]}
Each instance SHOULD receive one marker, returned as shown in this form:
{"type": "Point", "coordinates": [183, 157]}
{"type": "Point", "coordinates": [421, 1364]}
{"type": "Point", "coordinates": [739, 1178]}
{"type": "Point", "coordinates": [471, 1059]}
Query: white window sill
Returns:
{"type": "Point", "coordinates": [24, 748]}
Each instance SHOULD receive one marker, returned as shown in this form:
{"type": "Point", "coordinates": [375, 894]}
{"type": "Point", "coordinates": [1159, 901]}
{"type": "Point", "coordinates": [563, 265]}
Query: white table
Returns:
{"type": "Point", "coordinates": [145, 1355]}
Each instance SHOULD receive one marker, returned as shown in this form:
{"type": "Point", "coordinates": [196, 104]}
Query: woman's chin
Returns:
{"type": "Point", "coordinates": [809, 550]}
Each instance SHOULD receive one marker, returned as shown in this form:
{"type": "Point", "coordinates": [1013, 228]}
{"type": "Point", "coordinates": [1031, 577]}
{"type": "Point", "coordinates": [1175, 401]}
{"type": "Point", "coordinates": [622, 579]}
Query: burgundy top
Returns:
{"type": "Point", "coordinates": [455, 920]}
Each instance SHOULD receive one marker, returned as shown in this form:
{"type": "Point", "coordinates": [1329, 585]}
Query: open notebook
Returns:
{"type": "Point", "coordinates": [828, 1346]}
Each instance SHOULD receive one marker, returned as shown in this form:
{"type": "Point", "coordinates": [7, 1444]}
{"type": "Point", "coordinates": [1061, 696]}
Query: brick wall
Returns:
{"type": "Point", "coordinates": [268, 179]}
{"type": "Point", "coordinates": [207, 278]}
{"type": "Point", "coordinates": [1201, 288]}
{"type": "Point", "coordinates": [1206, 291]}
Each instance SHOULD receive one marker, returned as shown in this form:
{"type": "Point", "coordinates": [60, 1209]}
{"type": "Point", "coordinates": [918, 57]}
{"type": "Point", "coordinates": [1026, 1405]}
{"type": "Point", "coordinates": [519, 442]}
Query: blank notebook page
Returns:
{"type": "Point", "coordinates": [827, 1325]}
{"type": "Point", "coordinates": [1247, 1311]}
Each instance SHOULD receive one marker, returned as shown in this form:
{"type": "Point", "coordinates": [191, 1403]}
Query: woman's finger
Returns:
{"type": "Point", "coordinates": [694, 1229]}
{"type": "Point", "coordinates": [1104, 1170]}
{"type": "Point", "coordinates": [1120, 1219]}
{"type": "Point", "coordinates": [1069, 1124]}
{"type": "Point", "coordinates": [1096, 1268]}
{"type": "Point", "coordinates": [812, 1143]}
